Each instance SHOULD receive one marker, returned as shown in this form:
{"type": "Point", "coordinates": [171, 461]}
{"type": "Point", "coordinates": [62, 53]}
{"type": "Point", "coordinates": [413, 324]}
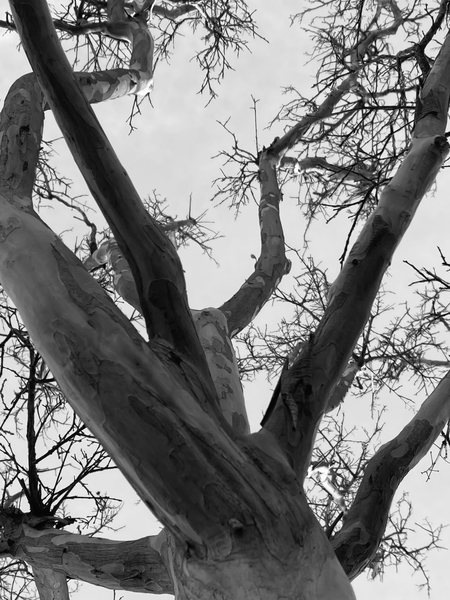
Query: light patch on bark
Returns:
{"type": "Point", "coordinates": [212, 329]}
{"type": "Point", "coordinates": [51, 585]}
{"type": "Point", "coordinates": [272, 264]}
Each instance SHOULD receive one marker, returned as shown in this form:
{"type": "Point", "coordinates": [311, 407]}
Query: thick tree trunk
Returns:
{"type": "Point", "coordinates": [238, 524]}
{"type": "Point", "coordinates": [307, 385]}
{"type": "Point", "coordinates": [254, 572]}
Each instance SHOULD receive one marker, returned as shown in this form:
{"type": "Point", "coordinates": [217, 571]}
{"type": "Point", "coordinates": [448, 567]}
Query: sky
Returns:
{"type": "Point", "coordinates": [171, 152]}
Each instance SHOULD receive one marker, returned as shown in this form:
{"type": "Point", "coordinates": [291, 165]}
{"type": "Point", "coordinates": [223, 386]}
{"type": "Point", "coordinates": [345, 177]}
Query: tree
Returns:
{"type": "Point", "coordinates": [167, 405]}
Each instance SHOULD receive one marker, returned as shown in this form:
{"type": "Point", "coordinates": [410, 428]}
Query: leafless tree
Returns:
{"type": "Point", "coordinates": [158, 384]}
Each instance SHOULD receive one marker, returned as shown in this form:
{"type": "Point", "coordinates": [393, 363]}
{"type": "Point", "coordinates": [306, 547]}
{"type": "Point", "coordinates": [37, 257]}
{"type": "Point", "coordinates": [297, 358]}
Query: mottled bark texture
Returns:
{"type": "Point", "coordinates": [237, 523]}
{"type": "Point", "coordinates": [212, 329]}
{"type": "Point", "coordinates": [365, 522]}
{"type": "Point", "coordinates": [238, 520]}
{"type": "Point", "coordinates": [272, 264]}
{"type": "Point", "coordinates": [50, 584]}
{"type": "Point", "coordinates": [134, 566]}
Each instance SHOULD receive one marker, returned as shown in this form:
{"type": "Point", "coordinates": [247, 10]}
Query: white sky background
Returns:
{"type": "Point", "coordinates": [171, 153]}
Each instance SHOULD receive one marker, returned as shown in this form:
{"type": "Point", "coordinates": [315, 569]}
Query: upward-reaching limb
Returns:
{"type": "Point", "coordinates": [306, 386]}
{"type": "Point", "coordinates": [153, 260]}
{"type": "Point", "coordinates": [357, 542]}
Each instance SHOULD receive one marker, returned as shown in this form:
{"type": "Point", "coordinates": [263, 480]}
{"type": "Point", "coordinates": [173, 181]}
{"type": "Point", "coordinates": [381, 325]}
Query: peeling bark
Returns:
{"type": "Point", "coordinates": [255, 575]}
{"type": "Point", "coordinates": [50, 584]}
{"type": "Point", "coordinates": [21, 123]}
{"type": "Point", "coordinates": [357, 542]}
{"type": "Point", "coordinates": [134, 566]}
{"type": "Point", "coordinates": [343, 386]}
{"type": "Point", "coordinates": [212, 329]}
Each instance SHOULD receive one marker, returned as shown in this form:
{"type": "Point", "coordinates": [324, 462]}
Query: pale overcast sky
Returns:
{"type": "Point", "coordinates": [171, 153]}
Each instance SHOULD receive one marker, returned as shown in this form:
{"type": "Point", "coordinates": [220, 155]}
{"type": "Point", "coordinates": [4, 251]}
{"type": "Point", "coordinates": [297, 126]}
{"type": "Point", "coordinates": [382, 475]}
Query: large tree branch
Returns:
{"type": "Point", "coordinates": [305, 388]}
{"type": "Point", "coordinates": [134, 566]}
{"type": "Point", "coordinates": [357, 542]}
{"type": "Point", "coordinates": [154, 262]}
{"type": "Point", "coordinates": [132, 395]}
{"type": "Point", "coordinates": [212, 330]}
{"type": "Point", "coordinates": [21, 123]}
{"type": "Point", "coordinates": [114, 83]}
{"type": "Point", "coordinates": [216, 497]}
{"type": "Point", "coordinates": [272, 264]}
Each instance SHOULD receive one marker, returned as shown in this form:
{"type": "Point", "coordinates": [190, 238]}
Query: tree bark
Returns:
{"type": "Point", "coordinates": [212, 329]}
{"type": "Point", "coordinates": [154, 262]}
{"type": "Point", "coordinates": [306, 386]}
{"type": "Point", "coordinates": [239, 523]}
{"type": "Point", "coordinates": [134, 566]}
{"type": "Point", "coordinates": [50, 584]}
{"type": "Point", "coordinates": [272, 264]}
{"type": "Point", "coordinates": [357, 542]}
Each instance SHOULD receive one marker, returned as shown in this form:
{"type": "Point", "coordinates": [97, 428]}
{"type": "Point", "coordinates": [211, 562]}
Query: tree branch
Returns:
{"type": "Point", "coordinates": [154, 262]}
{"type": "Point", "coordinates": [295, 134]}
{"type": "Point", "coordinates": [306, 385]}
{"type": "Point", "coordinates": [93, 351]}
{"type": "Point", "coordinates": [212, 330]}
{"type": "Point", "coordinates": [176, 12]}
{"type": "Point", "coordinates": [319, 163]}
{"type": "Point", "coordinates": [134, 566]}
{"type": "Point", "coordinates": [357, 542]}
{"type": "Point", "coordinates": [50, 584]}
